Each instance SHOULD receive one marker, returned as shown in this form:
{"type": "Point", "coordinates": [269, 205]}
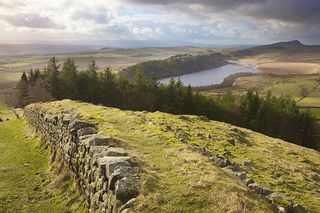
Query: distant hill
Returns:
{"type": "Point", "coordinates": [289, 46]}
{"type": "Point", "coordinates": [22, 49]}
{"type": "Point", "coordinates": [176, 65]}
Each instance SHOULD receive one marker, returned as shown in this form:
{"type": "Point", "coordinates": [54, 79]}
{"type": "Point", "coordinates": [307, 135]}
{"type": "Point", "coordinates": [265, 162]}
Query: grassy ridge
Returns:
{"type": "Point", "coordinates": [178, 179]}
{"type": "Point", "coordinates": [175, 178]}
{"type": "Point", "coordinates": [26, 182]}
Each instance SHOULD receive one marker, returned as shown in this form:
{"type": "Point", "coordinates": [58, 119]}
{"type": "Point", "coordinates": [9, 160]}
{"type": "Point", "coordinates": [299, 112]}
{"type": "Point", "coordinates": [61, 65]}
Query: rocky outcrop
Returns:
{"type": "Point", "coordinates": [107, 176]}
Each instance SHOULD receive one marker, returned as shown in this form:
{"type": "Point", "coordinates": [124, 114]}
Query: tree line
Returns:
{"type": "Point", "coordinates": [176, 65]}
{"type": "Point", "coordinates": [274, 116]}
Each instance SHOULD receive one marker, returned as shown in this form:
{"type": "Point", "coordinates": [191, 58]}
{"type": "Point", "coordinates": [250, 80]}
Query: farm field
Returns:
{"type": "Point", "coordinates": [279, 85]}
{"type": "Point", "coordinates": [12, 66]}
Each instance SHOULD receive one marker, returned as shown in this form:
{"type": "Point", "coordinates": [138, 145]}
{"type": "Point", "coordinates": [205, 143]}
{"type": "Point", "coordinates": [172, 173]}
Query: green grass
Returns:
{"type": "Point", "coordinates": [282, 85]}
{"type": "Point", "coordinates": [291, 87]}
{"type": "Point", "coordinates": [314, 111]}
{"type": "Point", "coordinates": [310, 101]}
{"type": "Point", "coordinates": [22, 63]}
{"type": "Point", "coordinates": [26, 182]}
{"type": "Point", "coordinates": [177, 179]}
{"type": "Point", "coordinates": [8, 79]}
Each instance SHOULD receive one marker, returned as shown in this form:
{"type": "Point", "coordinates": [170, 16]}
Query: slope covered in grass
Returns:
{"type": "Point", "coordinates": [27, 181]}
{"type": "Point", "coordinates": [177, 178]}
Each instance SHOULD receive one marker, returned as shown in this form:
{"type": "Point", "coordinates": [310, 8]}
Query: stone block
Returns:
{"type": "Point", "coordinates": [127, 205]}
{"type": "Point", "coordinates": [127, 188]}
{"type": "Point", "coordinates": [86, 131]}
{"type": "Point", "coordinates": [96, 140]}
{"type": "Point", "coordinates": [78, 124]}
{"type": "Point", "coordinates": [111, 151]}
{"type": "Point", "coordinates": [121, 172]}
{"type": "Point", "coordinates": [109, 163]}
{"type": "Point", "coordinates": [260, 189]}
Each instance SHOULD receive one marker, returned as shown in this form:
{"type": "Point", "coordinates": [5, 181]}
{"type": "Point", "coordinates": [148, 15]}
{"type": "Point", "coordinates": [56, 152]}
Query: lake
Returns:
{"type": "Point", "coordinates": [211, 76]}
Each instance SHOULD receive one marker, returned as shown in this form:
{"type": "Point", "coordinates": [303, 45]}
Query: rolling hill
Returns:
{"type": "Point", "coordinates": [290, 57]}
{"type": "Point", "coordinates": [285, 47]}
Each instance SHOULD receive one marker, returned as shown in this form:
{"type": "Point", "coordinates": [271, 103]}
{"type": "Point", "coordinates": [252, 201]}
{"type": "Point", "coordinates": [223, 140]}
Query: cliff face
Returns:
{"type": "Point", "coordinates": [106, 175]}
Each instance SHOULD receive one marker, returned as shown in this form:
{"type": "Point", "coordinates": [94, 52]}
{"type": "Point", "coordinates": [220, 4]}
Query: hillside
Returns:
{"type": "Point", "coordinates": [176, 65]}
{"type": "Point", "coordinates": [290, 57]}
{"type": "Point", "coordinates": [177, 178]}
{"type": "Point", "coordinates": [280, 46]}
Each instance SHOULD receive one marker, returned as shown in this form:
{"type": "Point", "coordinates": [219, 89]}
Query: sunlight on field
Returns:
{"type": "Point", "coordinates": [9, 76]}
{"type": "Point", "coordinates": [22, 63]}
{"type": "Point", "coordinates": [291, 86]}
{"type": "Point", "coordinates": [259, 59]}
{"type": "Point", "coordinates": [289, 68]}
{"type": "Point", "coordinates": [310, 101]}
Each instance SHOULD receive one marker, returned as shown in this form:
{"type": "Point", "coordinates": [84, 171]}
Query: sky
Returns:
{"type": "Point", "coordinates": [179, 22]}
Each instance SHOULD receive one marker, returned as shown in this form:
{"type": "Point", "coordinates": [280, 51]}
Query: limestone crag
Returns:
{"type": "Point", "coordinates": [107, 177]}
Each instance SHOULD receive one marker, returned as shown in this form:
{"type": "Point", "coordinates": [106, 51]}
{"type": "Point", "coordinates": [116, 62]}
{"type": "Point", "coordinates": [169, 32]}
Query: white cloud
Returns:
{"type": "Point", "coordinates": [123, 19]}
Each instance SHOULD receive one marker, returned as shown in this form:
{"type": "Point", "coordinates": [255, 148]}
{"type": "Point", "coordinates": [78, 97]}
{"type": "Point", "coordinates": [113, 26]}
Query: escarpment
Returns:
{"type": "Point", "coordinates": [107, 176]}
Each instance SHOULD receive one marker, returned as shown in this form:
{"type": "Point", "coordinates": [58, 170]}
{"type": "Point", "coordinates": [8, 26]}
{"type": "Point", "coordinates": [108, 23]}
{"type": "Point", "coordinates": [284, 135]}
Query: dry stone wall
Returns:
{"type": "Point", "coordinates": [107, 177]}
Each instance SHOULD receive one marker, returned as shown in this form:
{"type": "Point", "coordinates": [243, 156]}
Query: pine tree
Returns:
{"type": "Point", "coordinates": [21, 94]}
{"type": "Point", "coordinates": [92, 69]}
{"type": "Point", "coordinates": [51, 78]}
{"type": "Point", "coordinates": [33, 76]}
{"type": "Point", "coordinates": [69, 78]}
{"type": "Point", "coordinates": [109, 94]}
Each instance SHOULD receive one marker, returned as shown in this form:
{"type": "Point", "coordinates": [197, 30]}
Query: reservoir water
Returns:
{"type": "Point", "coordinates": [210, 76]}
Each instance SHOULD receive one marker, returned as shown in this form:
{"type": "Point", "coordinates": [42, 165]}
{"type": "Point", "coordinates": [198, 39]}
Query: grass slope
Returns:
{"type": "Point", "coordinates": [178, 179]}
{"type": "Point", "coordinates": [26, 182]}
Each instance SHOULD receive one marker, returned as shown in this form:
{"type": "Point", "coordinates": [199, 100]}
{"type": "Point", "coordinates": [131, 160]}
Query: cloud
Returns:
{"type": "Point", "coordinates": [99, 16]}
{"type": "Point", "coordinates": [297, 11]}
{"type": "Point", "coordinates": [202, 21]}
{"type": "Point", "coordinates": [30, 21]}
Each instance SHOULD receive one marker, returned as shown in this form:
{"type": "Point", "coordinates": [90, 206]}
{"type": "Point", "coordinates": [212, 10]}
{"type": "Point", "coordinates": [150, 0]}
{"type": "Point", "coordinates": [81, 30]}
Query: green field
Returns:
{"type": "Point", "coordinates": [278, 85]}
{"type": "Point", "coordinates": [178, 179]}
{"type": "Point", "coordinates": [27, 181]}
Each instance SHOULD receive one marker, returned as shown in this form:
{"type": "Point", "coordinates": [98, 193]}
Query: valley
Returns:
{"type": "Point", "coordinates": [180, 154]}
{"type": "Point", "coordinates": [136, 106]}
